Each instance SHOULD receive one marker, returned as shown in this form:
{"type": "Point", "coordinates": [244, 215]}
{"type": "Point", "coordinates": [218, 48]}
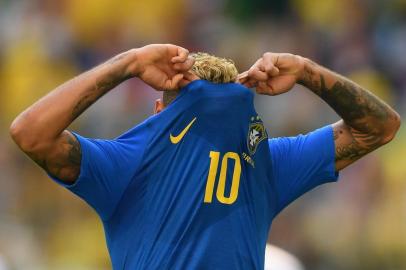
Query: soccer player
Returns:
{"type": "Point", "coordinates": [197, 185]}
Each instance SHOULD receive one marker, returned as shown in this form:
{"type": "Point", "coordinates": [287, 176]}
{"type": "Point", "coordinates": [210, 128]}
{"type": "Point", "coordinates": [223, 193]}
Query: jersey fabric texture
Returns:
{"type": "Point", "coordinates": [207, 199]}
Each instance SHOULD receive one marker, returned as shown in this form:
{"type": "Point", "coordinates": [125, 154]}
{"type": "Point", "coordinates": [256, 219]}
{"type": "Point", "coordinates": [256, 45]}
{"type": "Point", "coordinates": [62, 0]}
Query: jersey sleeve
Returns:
{"type": "Point", "coordinates": [107, 167]}
{"type": "Point", "coordinates": [301, 163]}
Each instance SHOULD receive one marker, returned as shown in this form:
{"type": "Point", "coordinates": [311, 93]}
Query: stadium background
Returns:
{"type": "Point", "coordinates": [359, 223]}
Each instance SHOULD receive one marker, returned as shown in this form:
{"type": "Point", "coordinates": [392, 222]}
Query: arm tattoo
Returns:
{"type": "Point", "coordinates": [52, 148]}
{"type": "Point", "coordinates": [101, 87]}
{"type": "Point", "coordinates": [74, 150]}
{"type": "Point", "coordinates": [354, 104]}
{"type": "Point", "coordinates": [64, 160]}
{"type": "Point", "coordinates": [359, 144]}
{"type": "Point", "coordinates": [364, 114]}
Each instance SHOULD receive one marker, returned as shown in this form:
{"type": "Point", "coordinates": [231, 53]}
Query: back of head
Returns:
{"type": "Point", "coordinates": [210, 68]}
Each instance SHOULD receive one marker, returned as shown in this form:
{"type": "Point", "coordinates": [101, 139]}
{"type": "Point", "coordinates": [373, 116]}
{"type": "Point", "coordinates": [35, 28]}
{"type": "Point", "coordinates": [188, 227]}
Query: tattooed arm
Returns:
{"type": "Point", "coordinates": [367, 122]}
{"type": "Point", "coordinates": [40, 130]}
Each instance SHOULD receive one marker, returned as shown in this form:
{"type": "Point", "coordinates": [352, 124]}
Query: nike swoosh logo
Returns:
{"type": "Point", "coordinates": [178, 138]}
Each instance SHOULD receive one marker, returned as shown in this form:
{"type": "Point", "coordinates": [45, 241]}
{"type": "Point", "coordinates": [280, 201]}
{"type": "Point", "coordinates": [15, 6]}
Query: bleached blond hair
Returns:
{"type": "Point", "coordinates": [210, 68]}
{"type": "Point", "coordinates": [214, 69]}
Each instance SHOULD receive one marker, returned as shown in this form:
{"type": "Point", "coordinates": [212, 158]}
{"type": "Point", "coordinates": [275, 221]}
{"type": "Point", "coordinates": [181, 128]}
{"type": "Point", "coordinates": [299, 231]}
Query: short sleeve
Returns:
{"type": "Point", "coordinates": [301, 163]}
{"type": "Point", "coordinates": [107, 168]}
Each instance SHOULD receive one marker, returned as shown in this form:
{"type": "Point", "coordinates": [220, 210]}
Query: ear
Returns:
{"type": "Point", "coordinates": [159, 106]}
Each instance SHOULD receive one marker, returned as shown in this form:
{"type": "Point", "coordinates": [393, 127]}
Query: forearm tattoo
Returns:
{"type": "Point", "coordinates": [364, 114]}
{"type": "Point", "coordinates": [101, 87]}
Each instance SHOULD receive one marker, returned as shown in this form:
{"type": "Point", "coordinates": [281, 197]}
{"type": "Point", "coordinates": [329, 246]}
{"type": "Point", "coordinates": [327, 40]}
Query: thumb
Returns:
{"type": "Point", "coordinates": [181, 56]}
{"type": "Point", "coordinates": [242, 78]}
{"type": "Point", "coordinates": [184, 66]}
{"type": "Point", "coordinates": [273, 72]}
{"type": "Point", "coordinates": [173, 84]}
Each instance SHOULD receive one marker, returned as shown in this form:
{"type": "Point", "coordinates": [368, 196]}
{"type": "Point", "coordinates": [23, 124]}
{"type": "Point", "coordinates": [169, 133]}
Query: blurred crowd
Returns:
{"type": "Point", "coordinates": [357, 223]}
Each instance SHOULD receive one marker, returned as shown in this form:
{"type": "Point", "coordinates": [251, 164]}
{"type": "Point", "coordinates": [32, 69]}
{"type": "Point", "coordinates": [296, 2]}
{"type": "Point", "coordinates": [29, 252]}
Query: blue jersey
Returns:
{"type": "Point", "coordinates": [197, 185]}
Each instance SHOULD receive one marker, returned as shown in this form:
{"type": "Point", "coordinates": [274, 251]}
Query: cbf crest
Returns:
{"type": "Point", "coordinates": [256, 134]}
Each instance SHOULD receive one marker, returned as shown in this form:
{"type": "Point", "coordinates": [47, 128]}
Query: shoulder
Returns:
{"type": "Point", "coordinates": [322, 133]}
{"type": "Point", "coordinates": [138, 133]}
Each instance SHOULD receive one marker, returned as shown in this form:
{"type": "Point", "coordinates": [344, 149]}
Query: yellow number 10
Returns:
{"type": "Point", "coordinates": [211, 178]}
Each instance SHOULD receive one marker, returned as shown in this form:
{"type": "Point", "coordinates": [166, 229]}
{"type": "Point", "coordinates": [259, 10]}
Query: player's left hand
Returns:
{"type": "Point", "coordinates": [273, 73]}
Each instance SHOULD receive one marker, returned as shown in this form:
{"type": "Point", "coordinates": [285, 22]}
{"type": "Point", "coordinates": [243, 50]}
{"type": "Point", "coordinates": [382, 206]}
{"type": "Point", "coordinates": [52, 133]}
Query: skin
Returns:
{"type": "Point", "coordinates": [40, 131]}
{"type": "Point", "coordinates": [367, 122]}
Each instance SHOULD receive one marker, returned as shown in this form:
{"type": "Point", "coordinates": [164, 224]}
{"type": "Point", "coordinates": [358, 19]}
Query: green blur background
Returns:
{"type": "Point", "coordinates": [357, 223]}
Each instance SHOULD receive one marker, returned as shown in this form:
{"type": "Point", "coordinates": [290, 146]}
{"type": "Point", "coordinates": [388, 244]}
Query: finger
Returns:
{"type": "Point", "coordinates": [263, 88]}
{"type": "Point", "coordinates": [257, 74]}
{"type": "Point", "coordinates": [267, 65]}
{"type": "Point", "coordinates": [269, 61]}
{"type": "Point", "coordinates": [181, 56]}
{"type": "Point", "coordinates": [190, 76]}
{"type": "Point", "coordinates": [173, 84]}
{"type": "Point", "coordinates": [184, 66]}
{"type": "Point", "coordinates": [251, 83]}
{"type": "Point", "coordinates": [273, 72]}
{"type": "Point", "coordinates": [281, 85]}
{"type": "Point", "coordinates": [242, 80]}
{"type": "Point", "coordinates": [242, 77]}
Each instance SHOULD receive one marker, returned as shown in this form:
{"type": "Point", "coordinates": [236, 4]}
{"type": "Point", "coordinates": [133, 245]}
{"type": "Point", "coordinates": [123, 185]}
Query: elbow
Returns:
{"type": "Point", "coordinates": [21, 136]}
{"type": "Point", "coordinates": [392, 128]}
{"type": "Point", "coordinates": [15, 130]}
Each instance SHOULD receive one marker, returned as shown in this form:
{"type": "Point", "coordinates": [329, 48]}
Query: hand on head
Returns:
{"type": "Point", "coordinates": [273, 73]}
{"type": "Point", "coordinates": [163, 66]}
{"type": "Point", "coordinates": [167, 67]}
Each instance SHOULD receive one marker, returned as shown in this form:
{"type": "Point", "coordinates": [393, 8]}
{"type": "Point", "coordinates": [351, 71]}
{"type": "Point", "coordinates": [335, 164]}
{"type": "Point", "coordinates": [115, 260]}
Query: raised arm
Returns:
{"type": "Point", "coordinates": [367, 122]}
{"type": "Point", "coordinates": [40, 130]}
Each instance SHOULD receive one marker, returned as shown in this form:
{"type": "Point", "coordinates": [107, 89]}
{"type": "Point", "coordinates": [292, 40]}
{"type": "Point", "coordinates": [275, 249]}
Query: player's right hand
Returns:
{"type": "Point", "coordinates": [163, 66]}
